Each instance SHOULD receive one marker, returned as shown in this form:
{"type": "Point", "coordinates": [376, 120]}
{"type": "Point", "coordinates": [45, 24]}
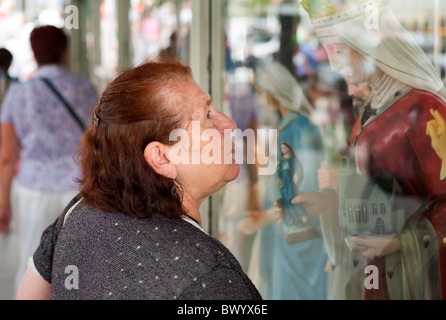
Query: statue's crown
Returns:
{"type": "Point", "coordinates": [331, 11]}
{"type": "Point", "coordinates": [319, 8]}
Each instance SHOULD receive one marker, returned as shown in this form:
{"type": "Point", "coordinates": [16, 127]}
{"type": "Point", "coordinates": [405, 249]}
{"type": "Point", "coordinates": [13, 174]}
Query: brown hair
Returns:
{"type": "Point", "coordinates": [48, 44]}
{"type": "Point", "coordinates": [135, 109]}
{"type": "Point", "coordinates": [5, 59]}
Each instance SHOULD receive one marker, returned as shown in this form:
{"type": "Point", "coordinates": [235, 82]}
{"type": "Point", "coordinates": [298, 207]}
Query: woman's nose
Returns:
{"type": "Point", "coordinates": [232, 125]}
{"type": "Point", "coordinates": [227, 123]}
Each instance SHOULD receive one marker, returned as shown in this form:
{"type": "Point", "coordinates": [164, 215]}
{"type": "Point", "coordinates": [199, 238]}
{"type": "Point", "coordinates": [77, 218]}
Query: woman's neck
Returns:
{"type": "Point", "coordinates": [192, 207]}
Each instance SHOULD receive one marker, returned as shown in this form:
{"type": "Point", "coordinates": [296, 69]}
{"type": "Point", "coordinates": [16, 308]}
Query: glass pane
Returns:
{"type": "Point", "coordinates": [109, 38]}
{"type": "Point", "coordinates": [348, 87]}
{"type": "Point", "coordinates": [152, 29]}
{"type": "Point", "coordinates": [160, 29]}
{"type": "Point", "coordinates": [16, 24]}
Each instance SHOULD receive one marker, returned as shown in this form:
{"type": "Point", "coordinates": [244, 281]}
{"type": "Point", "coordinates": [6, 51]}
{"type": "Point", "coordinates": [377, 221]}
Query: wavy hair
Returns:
{"type": "Point", "coordinates": [136, 108]}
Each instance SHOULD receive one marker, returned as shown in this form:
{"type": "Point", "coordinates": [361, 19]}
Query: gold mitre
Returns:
{"type": "Point", "coordinates": [329, 11]}
{"type": "Point", "coordinates": [319, 8]}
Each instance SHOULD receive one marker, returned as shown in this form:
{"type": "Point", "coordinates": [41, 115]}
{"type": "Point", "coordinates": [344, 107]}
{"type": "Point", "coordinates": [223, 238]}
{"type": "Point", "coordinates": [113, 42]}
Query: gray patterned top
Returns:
{"type": "Point", "coordinates": [96, 255]}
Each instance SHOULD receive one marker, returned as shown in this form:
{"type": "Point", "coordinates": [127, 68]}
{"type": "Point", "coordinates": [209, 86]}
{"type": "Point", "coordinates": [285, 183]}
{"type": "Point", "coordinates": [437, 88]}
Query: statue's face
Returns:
{"type": "Point", "coordinates": [284, 149]}
{"type": "Point", "coordinates": [346, 61]}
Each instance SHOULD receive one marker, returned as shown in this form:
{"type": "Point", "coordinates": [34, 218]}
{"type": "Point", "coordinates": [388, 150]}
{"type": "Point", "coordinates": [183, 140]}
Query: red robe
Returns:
{"type": "Point", "coordinates": [395, 143]}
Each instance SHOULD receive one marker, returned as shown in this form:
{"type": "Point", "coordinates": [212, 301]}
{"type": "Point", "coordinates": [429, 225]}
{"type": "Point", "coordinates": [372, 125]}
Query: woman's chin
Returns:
{"type": "Point", "coordinates": [233, 172]}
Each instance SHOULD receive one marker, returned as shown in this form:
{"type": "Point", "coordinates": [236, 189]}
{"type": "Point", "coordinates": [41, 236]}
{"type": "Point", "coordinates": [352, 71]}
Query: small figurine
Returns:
{"type": "Point", "coordinates": [284, 269]}
{"type": "Point", "coordinates": [294, 224]}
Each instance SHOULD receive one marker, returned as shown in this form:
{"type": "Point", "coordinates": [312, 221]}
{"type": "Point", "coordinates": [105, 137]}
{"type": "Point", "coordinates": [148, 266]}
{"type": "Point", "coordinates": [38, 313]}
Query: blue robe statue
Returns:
{"type": "Point", "coordinates": [294, 272]}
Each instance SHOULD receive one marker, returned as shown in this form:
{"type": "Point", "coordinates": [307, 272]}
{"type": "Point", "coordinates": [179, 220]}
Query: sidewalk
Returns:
{"type": "Point", "coordinates": [8, 264]}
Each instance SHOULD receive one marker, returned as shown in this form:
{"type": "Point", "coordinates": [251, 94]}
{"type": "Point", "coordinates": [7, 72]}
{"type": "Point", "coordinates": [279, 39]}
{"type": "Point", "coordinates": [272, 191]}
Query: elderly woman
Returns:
{"type": "Point", "coordinates": [134, 231]}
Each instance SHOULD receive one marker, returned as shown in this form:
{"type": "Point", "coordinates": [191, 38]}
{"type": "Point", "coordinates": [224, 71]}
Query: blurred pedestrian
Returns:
{"type": "Point", "coordinates": [5, 79]}
{"type": "Point", "coordinates": [42, 122]}
{"type": "Point", "coordinates": [171, 50]}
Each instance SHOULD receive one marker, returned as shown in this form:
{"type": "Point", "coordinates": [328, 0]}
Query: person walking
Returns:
{"type": "Point", "coordinates": [42, 121]}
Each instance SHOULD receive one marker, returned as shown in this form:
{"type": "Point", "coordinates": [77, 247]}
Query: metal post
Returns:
{"type": "Point", "coordinates": [124, 58]}
{"type": "Point", "coordinates": [436, 34]}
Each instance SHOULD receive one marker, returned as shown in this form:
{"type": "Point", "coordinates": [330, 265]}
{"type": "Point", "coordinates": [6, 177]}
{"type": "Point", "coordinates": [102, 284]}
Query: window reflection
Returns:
{"type": "Point", "coordinates": [16, 23]}
{"type": "Point", "coordinates": [109, 37]}
{"type": "Point", "coordinates": [254, 223]}
{"type": "Point", "coordinates": [160, 28]}
{"type": "Point", "coordinates": [379, 206]}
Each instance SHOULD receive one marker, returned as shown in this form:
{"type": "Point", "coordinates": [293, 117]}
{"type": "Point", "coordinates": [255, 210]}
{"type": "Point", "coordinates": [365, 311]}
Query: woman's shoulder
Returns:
{"type": "Point", "coordinates": [157, 234]}
{"type": "Point", "coordinates": [156, 256]}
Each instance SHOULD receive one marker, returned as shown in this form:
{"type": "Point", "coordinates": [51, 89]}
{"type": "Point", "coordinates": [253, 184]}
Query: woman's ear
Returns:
{"type": "Point", "coordinates": [157, 157]}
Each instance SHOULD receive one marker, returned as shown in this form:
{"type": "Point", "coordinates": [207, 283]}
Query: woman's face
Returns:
{"type": "Point", "coordinates": [210, 151]}
{"type": "Point", "coordinates": [346, 61]}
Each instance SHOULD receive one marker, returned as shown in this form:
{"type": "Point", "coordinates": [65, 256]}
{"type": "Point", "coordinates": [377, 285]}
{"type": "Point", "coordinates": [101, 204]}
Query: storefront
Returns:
{"type": "Point", "coordinates": [228, 43]}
